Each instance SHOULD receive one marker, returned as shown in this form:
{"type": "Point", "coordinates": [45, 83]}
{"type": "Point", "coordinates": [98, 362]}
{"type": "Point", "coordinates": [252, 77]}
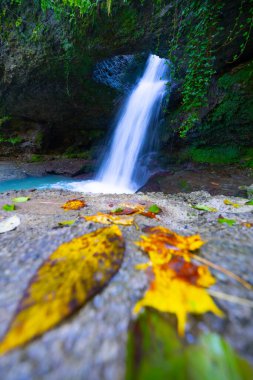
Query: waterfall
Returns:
{"type": "Point", "coordinates": [122, 169]}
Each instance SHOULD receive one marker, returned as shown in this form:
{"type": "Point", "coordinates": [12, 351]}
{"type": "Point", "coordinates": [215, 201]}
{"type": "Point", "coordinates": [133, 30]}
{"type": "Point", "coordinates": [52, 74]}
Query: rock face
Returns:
{"type": "Point", "coordinates": [63, 84]}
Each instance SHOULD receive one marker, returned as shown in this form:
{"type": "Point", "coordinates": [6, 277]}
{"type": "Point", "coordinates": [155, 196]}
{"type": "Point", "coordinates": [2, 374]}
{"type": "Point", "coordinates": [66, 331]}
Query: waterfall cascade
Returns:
{"type": "Point", "coordinates": [121, 170]}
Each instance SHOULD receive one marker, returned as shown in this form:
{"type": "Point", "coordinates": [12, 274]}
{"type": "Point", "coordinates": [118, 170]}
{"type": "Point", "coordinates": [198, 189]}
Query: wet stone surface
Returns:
{"type": "Point", "coordinates": [91, 344]}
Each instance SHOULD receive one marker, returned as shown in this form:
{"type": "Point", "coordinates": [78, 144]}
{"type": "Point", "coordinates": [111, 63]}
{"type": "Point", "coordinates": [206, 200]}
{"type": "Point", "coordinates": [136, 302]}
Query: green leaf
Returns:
{"type": "Point", "coordinates": [230, 222]}
{"type": "Point", "coordinates": [119, 209]}
{"type": "Point", "coordinates": [155, 209]}
{"type": "Point", "coordinates": [20, 199]}
{"type": "Point", "coordinates": [66, 223]}
{"type": "Point", "coordinates": [154, 351]}
{"type": "Point", "coordinates": [250, 202]}
{"type": "Point", "coordinates": [204, 208]}
{"type": "Point", "coordinates": [8, 207]}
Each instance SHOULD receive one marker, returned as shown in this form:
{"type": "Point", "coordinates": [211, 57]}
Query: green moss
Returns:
{"type": "Point", "coordinates": [4, 119]}
{"type": "Point", "coordinates": [219, 155]}
{"type": "Point", "coordinates": [247, 158]}
{"type": "Point", "coordinates": [39, 138]}
{"type": "Point", "coordinates": [84, 155]}
{"type": "Point", "coordinates": [36, 158]}
{"type": "Point", "coordinates": [243, 75]}
{"type": "Point", "coordinates": [12, 140]}
{"type": "Point", "coordinates": [215, 155]}
{"type": "Point", "coordinates": [73, 152]}
{"type": "Point", "coordinates": [230, 122]}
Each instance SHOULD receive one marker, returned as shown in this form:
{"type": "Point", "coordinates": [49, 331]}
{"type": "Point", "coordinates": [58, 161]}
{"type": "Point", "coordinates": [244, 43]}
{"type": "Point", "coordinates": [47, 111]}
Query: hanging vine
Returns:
{"type": "Point", "coordinates": [197, 26]}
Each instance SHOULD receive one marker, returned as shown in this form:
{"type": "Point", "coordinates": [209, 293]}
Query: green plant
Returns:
{"type": "Point", "coordinates": [197, 23]}
{"type": "Point", "coordinates": [36, 158]}
{"type": "Point", "coordinates": [12, 140]}
{"type": "Point", "coordinates": [214, 155]}
{"type": "Point", "coordinates": [72, 153]}
{"type": "Point", "coordinates": [4, 119]}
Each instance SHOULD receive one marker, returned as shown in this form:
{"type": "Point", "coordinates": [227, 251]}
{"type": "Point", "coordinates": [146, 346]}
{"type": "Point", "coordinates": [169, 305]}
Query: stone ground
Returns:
{"type": "Point", "coordinates": [17, 169]}
{"type": "Point", "coordinates": [91, 344]}
{"type": "Point", "coordinates": [188, 177]}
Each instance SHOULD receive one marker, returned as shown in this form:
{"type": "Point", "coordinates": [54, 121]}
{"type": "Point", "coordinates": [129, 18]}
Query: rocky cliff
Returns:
{"type": "Point", "coordinates": [53, 98]}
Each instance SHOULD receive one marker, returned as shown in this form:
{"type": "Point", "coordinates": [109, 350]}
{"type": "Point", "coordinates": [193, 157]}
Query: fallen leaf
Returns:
{"type": "Point", "coordinates": [109, 219]}
{"type": "Point", "coordinates": [229, 203]}
{"type": "Point", "coordinates": [161, 243]}
{"type": "Point", "coordinates": [170, 293]}
{"type": "Point", "coordinates": [155, 352]}
{"type": "Point", "coordinates": [133, 209]}
{"type": "Point", "coordinates": [154, 209]}
{"type": "Point", "coordinates": [229, 222]}
{"type": "Point", "coordinates": [66, 223]}
{"type": "Point", "coordinates": [74, 273]}
{"type": "Point", "coordinates": [148, 214]}
{"type": "Point", "coordinates": [250, 202]}
{"type": "Point", "coordinates": [8, 207]}
{"type": "Point", "coordinates": [9, 224]}
{"type": "Point", "coordinates": [190, 272]}
{"type": "Point", "coordinates": [177, 284]}
{"type": "Point", "coordinates": [20, 199]}
{"type": "Point", "coordinates": [125, 211]}
{"type": "Point", "coordinates": [204, 208]}
{"type": "Point", "coordinates": [247, 224]}
{"type": "Point", "coordinates": [74, 204]}
{"type": "Point", "coordinates": [133, 205]}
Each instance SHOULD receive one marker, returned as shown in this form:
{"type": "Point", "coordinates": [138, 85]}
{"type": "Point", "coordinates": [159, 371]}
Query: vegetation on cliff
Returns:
{"type": "Point", "coordinates": [49, 49]}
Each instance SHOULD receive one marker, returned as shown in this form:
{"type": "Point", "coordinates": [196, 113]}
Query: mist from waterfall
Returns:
{"type": "Point", "coordinates": [124, 166]}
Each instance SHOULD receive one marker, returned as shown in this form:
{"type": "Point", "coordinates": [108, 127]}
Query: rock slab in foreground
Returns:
{"type": "Point", "coordinates": [91, 344]}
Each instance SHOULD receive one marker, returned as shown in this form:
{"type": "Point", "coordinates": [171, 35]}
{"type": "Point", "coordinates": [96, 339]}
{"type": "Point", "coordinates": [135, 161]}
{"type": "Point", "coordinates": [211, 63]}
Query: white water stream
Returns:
{"type": "Point", "coordinates": [121, 170]}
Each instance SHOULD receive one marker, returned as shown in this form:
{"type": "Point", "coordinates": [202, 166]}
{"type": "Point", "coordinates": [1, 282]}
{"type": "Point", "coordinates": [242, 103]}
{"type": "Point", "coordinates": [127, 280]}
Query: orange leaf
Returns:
{"type": "Point", "coordinates": [247, 224]}
{"type": "Point", "coordinates": [161, 243]}
{"type": "Point", "coordinates": [149, 214]}
{"type": "Point", "coordinates": [74, 204]}
{"type": "Point", "coordinates": [177, 284]}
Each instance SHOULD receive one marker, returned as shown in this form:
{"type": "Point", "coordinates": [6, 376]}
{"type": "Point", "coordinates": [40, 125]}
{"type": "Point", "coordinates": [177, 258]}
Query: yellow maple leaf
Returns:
{"type": "Point", "coordinates": [177, 284]}
{"type": "Point", "coordinates": [73, 273]}
{"type": "Point", "coordinates": [73, 204]}
{"type": "Point", "coordinates": [109, 219]}
{"type": "Point", "coordinates": [169, 293]}
{"type": "Point", "coordinates": [161, 243]}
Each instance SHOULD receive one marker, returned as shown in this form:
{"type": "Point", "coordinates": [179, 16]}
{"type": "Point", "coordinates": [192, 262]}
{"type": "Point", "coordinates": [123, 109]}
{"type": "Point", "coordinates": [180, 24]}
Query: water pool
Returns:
{"type": "Point", "coordinates": [44, 182]}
